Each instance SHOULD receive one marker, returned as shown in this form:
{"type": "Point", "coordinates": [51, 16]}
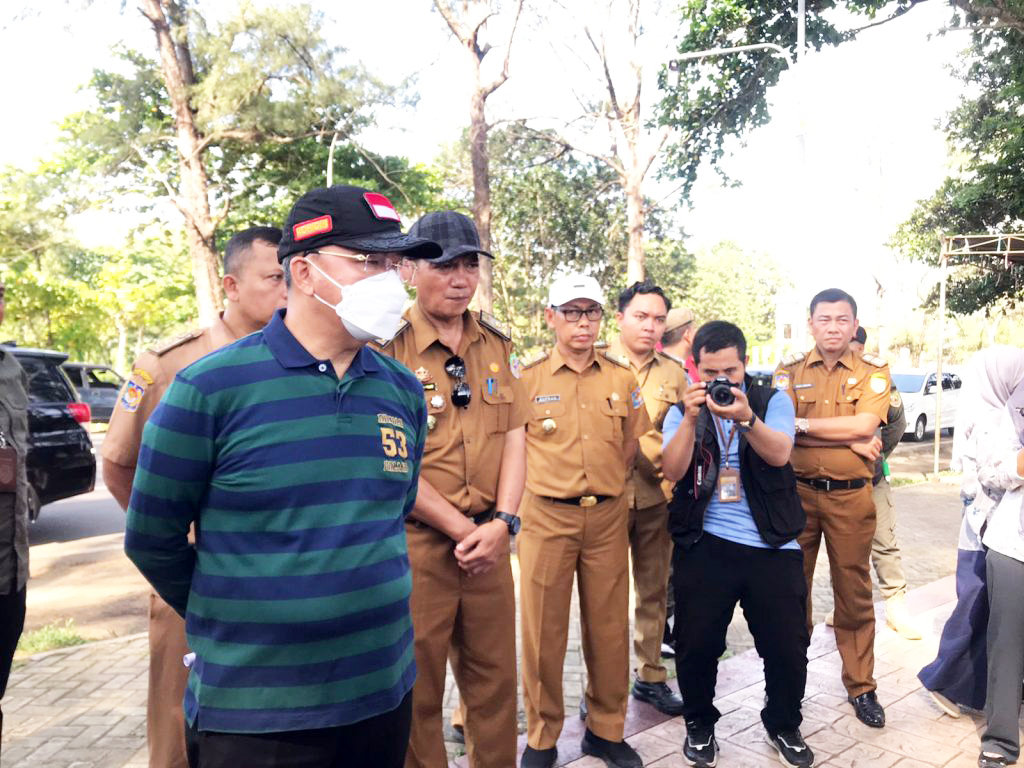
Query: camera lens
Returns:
{"type": "Point", "coordinates": [721, 391]}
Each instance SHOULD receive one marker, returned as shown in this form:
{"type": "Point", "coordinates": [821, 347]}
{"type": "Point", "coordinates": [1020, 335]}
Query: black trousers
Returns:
{"type": "Point", "coordinates": [377, 741]}
{"type": "Point", "coordinates": [12, 621]}
{"type": "Point", "coordinates": [709, 579]}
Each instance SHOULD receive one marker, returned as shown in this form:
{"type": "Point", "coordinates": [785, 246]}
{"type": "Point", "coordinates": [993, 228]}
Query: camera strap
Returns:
{"type": "Point", "coordinates": [728, 479]}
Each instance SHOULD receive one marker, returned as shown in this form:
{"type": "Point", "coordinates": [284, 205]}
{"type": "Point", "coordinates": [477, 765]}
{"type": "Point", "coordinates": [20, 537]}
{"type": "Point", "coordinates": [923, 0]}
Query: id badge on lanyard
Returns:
{"type": "Point", "coordinates": [8, 465]}
{"type": "Point", "coordinates": [728, 478]}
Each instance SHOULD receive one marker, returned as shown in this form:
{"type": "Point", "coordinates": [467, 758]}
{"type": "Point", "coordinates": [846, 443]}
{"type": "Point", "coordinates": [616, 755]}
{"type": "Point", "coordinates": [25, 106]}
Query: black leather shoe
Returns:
{"type": "Point", "coordinates": [659, 696]}
{"type": "Point", "coordinates": [616, 754]}
{"type": "Point", "coordinates": [538, 758]}
{"type": "Point", "coordinates": [992, 760]}
{"type": "Point", "coordinates": [868, 710]}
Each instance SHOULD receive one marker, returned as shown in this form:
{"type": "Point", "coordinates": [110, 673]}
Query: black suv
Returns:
{"type": "Point", "coordinates": [61, 459]}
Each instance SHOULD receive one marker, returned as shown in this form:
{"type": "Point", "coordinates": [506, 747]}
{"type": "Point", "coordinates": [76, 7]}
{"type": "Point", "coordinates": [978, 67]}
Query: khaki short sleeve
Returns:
{"type": "Point", "coordinates": [135, 403]}
{"type": "Point", "coordinates": [875, 399]}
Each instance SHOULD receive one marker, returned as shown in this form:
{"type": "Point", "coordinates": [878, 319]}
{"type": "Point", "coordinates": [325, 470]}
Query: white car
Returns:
{"type": "Point", "coordinates": [918, 390]}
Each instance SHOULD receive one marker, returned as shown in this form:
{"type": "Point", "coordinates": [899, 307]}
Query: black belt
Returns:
{"type": "Point", "coordinates": [828, 484]}
{"type": "Point", "coordinates": [589, 500]}
{"type": "Point", "coordinates": [484, 517]}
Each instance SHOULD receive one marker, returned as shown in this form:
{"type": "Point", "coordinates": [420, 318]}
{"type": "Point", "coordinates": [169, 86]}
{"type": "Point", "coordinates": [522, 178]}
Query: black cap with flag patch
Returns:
{"type": "Point", "coordinates": [351, 217]}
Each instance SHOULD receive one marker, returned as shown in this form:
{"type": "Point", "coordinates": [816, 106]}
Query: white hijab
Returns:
{"type": "Point", "coordinates": [991, 376]}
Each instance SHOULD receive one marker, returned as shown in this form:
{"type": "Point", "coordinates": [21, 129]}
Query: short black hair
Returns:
{"type": "Point", "coordinates": [646, 286]}
{"type": "Point", "coordinates": [861, 336]}
{"type": "Point", "coordinates": [830, 295]}
{"type": "Point", "coordinates": [718, 335]}
{"type": "Point", "coordinates": [239, 245]}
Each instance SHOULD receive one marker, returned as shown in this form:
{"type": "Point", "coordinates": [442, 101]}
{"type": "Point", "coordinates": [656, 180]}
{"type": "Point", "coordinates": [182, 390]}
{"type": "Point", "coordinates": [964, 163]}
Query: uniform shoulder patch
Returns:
{"type": "Point", "coordinates": [617, 359]}
{"type": "Point", "coordinates": [535, 360]}
{"type": "Point", "coordinates": [793, 358]}
{"type": "Point", "coordinates": [383, 343]}
{"type": "Point", "coordinates": [895, 400]}
{"type": "Point", "coordinates": [874, 360]}
{"type": "Point", "coordinates": [671, 358]}
{"type": "Point", "coordinates": [491, 323]}
{"type": "Point", "coordinates": [177, 341]}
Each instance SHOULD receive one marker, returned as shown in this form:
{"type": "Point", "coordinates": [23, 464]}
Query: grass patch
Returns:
{"type": "Point", "coordinates": [896, 482]}
{"type": "Point", "coordinates": [56, 635]}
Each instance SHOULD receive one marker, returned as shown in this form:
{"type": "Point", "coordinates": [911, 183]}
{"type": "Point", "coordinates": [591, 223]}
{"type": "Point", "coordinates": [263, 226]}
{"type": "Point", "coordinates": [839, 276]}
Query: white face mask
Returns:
{"type": "Point", "coordinates": [370, 308]}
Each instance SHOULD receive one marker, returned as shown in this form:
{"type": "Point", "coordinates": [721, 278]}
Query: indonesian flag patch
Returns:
{"type": "Point", "coordinates": [311, 228]}
{"type": "Point", "coordinates": [381, 207]}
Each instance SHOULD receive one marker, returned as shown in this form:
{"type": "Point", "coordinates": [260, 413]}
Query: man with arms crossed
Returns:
{"type": "Point", "coordinates": [474, 465]}
{"type": "Point", "coordinates": [254, 287]}
{"type": "Point", "coordinates": [295, 451]}
{"type": "Point", "coordinates": [840, 399]}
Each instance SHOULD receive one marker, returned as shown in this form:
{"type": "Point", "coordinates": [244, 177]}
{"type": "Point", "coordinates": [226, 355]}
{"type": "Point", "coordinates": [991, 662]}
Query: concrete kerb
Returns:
{"type": "Point", "coordinates": [72, 648]}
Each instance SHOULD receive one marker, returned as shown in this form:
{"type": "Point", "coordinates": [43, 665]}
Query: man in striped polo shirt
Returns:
{"type": "Point", "coordinates": [296, 452]}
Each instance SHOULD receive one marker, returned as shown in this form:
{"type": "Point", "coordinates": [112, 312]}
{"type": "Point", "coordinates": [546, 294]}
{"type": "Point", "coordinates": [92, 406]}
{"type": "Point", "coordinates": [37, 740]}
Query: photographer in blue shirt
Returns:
{"type": "Point", "coordinates": [734, 518]}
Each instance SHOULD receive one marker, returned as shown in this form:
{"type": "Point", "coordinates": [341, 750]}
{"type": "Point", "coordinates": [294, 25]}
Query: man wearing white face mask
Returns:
{"type": "Point", "coordinates": [296, 451]}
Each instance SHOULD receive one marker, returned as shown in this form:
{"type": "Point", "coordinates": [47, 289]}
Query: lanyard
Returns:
{"type": "Point", "coordinates": [721, 434]}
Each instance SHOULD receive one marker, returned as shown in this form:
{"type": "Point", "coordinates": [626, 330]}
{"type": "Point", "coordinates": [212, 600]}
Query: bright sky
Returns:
{"type": "Point", "coordinates": [870, 122]}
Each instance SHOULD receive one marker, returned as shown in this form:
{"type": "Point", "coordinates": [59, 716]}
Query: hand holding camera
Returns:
{"type": "Point", "coordinates": [726, 400]}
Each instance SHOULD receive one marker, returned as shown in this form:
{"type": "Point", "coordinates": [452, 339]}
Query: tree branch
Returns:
{"type": "Point", "coordinates": [501, 78]}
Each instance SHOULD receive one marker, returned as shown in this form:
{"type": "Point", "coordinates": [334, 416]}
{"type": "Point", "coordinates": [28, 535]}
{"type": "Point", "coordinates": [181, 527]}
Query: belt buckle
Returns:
{"type": "Point", "coordinates": [588, 501]}
{"type": "Point", "coordinates": [828, 484]}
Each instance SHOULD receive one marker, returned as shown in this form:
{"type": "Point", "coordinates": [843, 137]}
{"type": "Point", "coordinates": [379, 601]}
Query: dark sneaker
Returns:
{"type": "Point", "coordinates": [667, 651]}
{"type": "Point", "coordinates": [792, 749]}
{"type": "Point", "coordinates": [700, 747]}
{"type": "Point", "coordinates": [616, 754]}
{"type": "Point", "coordinates": [659, 696]}
{"type": "Point", "coordinates": [538, 758]}
{"type": "Point", "coordinates": [992, 760]}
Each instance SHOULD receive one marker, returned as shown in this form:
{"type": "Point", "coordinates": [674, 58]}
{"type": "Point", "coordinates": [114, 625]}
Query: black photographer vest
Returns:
{"type": "Point", "coordinates": [770, 491]}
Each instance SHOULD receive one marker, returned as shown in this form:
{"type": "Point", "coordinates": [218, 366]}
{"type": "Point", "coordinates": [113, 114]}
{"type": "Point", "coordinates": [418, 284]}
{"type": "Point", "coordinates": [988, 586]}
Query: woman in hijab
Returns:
{"type": "Point", "coordinates": [1004, 573]}
{"type": "Point", "coordinates": [957, 677]}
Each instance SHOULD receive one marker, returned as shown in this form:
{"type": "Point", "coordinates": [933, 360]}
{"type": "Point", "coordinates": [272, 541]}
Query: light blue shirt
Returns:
{"type": "Point", "coordinates": [732, 520]}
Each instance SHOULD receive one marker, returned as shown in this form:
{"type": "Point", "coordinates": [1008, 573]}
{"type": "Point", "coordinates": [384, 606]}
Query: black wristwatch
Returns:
{"type": "Point", "coordinates": [746, 426]}
{"type": "Point", "coordinates": [512, 521]}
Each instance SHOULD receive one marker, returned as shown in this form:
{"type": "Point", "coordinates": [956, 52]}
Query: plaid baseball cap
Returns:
{"type": "Point", "coordinates": [351, 217]}
{"type": "Point", "coordinates": [454, 232]}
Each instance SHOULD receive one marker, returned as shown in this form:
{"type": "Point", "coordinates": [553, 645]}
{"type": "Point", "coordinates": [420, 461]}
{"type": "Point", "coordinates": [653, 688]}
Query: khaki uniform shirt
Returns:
{"type": "Point", "coordinates": [663, 383]}
{"type": "Point", "coordinates": [578, 424]}
{"type": "Point", "coordinates": [152, 373]}
{"type": "Point", "coordinates": [462, 457]}
{"type": "Point", "coordinates": [856, 385]}
{"type": "Point", "coordinates": [14, 506]}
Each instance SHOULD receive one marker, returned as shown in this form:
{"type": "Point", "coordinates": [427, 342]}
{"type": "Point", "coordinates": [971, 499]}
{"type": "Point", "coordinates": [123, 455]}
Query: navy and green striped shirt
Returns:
{"type": "Point", "coordinates": [296, 595]}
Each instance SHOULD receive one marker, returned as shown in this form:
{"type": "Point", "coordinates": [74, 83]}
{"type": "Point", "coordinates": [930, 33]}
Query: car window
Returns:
{"type": "Point", "coordinates": [75, 374]}
{"type": "Point", "coordinates": [104, 378]}
{"type": "Point", "coordinates": [908, 382]}
{"type": "Point", "coordinates": [46, 384]}
{"type": "Point", "coordinates": [947, 382]}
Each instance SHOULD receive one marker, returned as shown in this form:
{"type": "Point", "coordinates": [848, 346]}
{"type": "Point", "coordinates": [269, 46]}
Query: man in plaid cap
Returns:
{"type": "Point", "coordinates": [474, 465]}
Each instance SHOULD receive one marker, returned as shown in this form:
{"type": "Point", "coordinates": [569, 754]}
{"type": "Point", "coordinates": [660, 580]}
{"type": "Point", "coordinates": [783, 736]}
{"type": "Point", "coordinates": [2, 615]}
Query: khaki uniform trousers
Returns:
{"type": "Point", "coordinates": [847, 521]}
{"type": "Point", "coordinates": [650, 549]}
{"type": "Point", "coordinates": [168, 677]}
{"type": "Point", "coordinates": [556, 542]}
{"type": "Point", "coordinates": [474, 619]}
{"type": "Point", "coordinates": [885, 551]}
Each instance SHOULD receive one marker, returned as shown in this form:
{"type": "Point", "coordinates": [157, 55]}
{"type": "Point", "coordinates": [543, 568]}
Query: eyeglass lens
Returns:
{"type": "Point", "coordinates": [573, 315]}
{"type": "Point", "coordinates": [455, 367]}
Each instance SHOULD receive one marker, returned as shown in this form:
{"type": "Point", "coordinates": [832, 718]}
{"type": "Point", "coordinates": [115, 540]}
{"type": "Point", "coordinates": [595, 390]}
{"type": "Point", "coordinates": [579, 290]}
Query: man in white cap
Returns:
{"type": "Point", "coordinates": [586, 415]}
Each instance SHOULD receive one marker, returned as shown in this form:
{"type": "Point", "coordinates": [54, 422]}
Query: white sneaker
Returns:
{"type": "Point", "coordinates": [946, 705]}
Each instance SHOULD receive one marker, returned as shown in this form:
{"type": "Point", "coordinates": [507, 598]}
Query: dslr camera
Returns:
{"type": "Point", "coordinates": [721, 391]}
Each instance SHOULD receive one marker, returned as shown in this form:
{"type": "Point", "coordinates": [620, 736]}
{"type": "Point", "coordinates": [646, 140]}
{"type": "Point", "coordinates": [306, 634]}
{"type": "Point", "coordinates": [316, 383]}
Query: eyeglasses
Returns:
{"type": "Point", "coordinates": [455, 367]}
{"type": "Point", "coordinates": [373, 263]}
{"type": "Point", "coordinates": [573, 315]}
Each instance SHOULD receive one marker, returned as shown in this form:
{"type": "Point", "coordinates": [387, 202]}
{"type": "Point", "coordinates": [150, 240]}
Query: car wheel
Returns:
{"type": "Point", "coordinates": [919, 428]}
{"type": "Point", "coordinates": [33, 504]}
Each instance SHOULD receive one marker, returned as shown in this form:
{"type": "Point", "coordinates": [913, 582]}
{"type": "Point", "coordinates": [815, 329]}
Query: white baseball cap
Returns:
{"type": "Point", "coordinates": [575, 286]}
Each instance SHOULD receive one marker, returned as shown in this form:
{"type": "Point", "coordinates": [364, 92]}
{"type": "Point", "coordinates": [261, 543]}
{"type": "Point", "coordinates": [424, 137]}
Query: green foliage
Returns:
{"type": "Point", "coordinates": [58, 634]}
{"type": "Point", "coordinates": [722, 97]}
{"type": "Point", "coordinates": [728, 284]}
{"type": "Point", "coordinates": [987, 195]}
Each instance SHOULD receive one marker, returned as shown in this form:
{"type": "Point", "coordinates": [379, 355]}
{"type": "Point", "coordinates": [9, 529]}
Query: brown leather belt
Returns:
{"type": "Point", "coordinates": [578, 501]}
{"type": "Point", "coordinates": [828, 484]}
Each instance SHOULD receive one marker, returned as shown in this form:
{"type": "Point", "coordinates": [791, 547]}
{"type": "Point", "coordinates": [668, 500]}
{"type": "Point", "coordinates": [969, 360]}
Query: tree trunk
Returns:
{"type": "Point", "coordinates": [120, 361]}
{"type": "Point", "coordinates": [633, 186]}
{"type": "Point", "coordinates": [193, 200]}
{"type": "Point", "coordinates": [480, 162]}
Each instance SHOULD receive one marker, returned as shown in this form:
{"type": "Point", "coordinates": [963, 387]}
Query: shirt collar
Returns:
{"type": "Point", "coordinates": [556, 360]}
{"type": "Point", "coordinates": [425, 333]}
{"type": "Point", "coordinates": [846, 360]}
{"type": "Point", "coordinates": [616, 347]}
{"type": "Point", "coordinates": [291, 354]}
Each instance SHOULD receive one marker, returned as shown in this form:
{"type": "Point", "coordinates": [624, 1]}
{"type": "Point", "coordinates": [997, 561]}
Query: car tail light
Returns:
{"type": "Point", "coordinates": [81, 411]}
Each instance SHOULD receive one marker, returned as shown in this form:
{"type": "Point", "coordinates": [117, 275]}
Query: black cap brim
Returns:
{"type": "Point", "coordinates": [407, 245]}
{"type": "Point", "coordinates": [460, 250]}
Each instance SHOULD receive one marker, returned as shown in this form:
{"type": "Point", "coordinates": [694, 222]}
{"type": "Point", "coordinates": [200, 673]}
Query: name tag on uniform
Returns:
{"type": "Point", "coordinates": [547, 398]}
{"type": "Point", "coordinates": [802, 386]}
{"type": "Point", "coordinates": [729, 485]}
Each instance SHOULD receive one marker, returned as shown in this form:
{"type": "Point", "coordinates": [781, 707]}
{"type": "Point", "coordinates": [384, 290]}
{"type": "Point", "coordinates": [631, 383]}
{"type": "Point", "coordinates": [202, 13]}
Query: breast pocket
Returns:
{"type": "Point", "coordinates": [805, 404]}
{"type": "Point", "coordinates": [662, 402]}
{"type": "Point", "coordinates": [613, 416]}
{"type": "Point", "coordinates": [847, 403]}
{"type": "Point", "coordinates": [547, 418]}
{"type": "Point", "coordinates": [497, 407]}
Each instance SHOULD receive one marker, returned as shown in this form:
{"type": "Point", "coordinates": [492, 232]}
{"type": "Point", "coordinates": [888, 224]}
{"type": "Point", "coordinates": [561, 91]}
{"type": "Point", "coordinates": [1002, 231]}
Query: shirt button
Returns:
{"type": "Point", "coordinates": [322, 367]}
{"type": "Point", "coordinates": [583, 405]}
{"type": "Point", "coordinates": [586, 437]}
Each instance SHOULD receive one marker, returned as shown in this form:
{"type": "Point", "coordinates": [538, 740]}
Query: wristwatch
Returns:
{"type": "Point", "coordinates": [802, 425]}
{"type": "Point", "coordinates": [746, 426]}
{"type": "Point", "coordinates": [512, 521]}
